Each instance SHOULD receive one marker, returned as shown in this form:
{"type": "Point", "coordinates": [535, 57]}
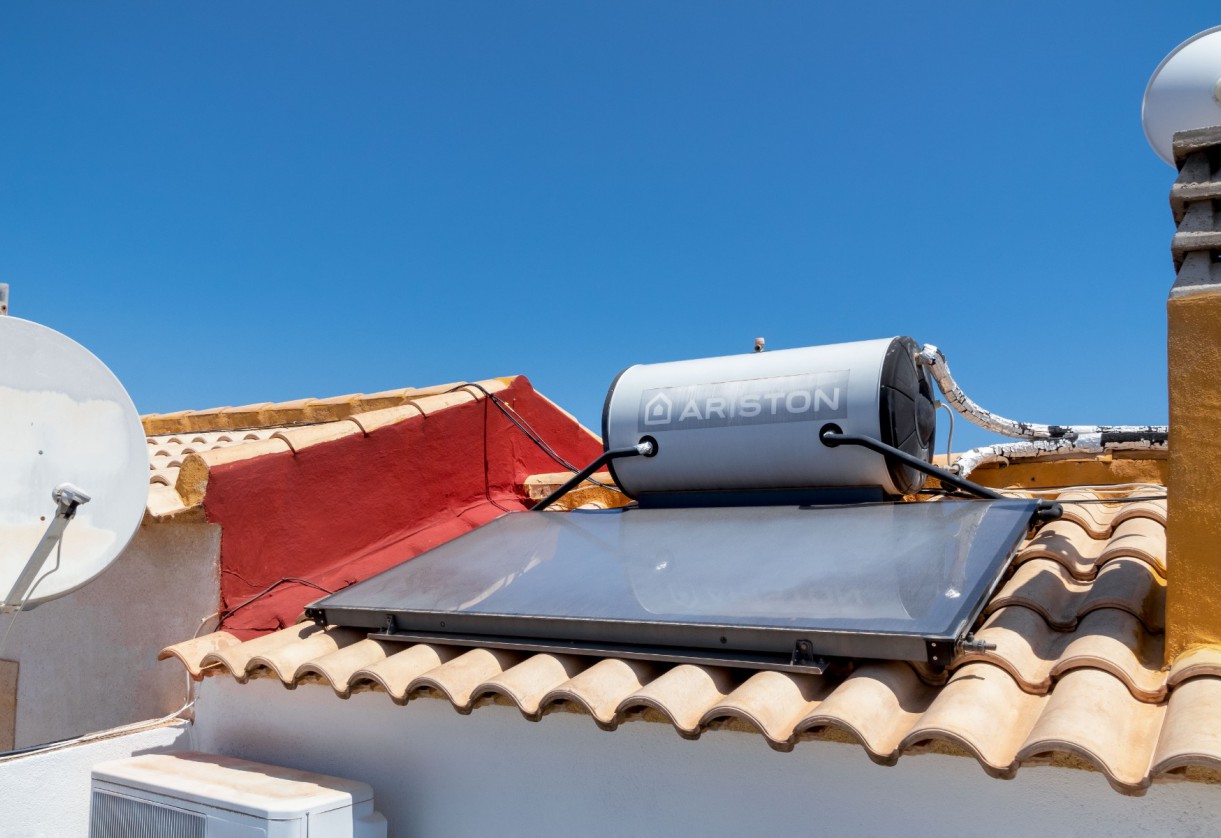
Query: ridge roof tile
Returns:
{"type": "Point", "coordinates": [197, 440]}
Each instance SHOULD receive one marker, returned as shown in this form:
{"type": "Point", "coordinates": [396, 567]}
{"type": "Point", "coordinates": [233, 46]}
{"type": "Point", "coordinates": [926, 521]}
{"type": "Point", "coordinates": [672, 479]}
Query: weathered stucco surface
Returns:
{"type": "Point", "coordinates": [88, 661]}
{"type": "Point", "coordinates": [1193, 522]}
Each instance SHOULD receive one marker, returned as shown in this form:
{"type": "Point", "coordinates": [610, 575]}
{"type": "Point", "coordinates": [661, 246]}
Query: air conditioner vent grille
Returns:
{"type": "Point", "coordinates": [116, 816]}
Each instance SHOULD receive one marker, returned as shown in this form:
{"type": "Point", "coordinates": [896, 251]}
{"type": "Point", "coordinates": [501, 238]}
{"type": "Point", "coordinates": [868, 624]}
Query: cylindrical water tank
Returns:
{"type": "Point", "coordinates": [748, 422]}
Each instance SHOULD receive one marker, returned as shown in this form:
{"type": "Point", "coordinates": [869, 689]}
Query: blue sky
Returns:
{"type": "Point", "coordinates": [236, 203]}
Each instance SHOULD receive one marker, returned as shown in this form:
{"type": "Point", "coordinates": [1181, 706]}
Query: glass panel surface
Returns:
{"type": "Point", "coordinates": [914, 568]}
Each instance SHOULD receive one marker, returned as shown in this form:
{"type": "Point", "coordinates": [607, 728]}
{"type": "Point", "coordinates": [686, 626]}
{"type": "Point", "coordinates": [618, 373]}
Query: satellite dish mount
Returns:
{"type": "Point", "coordinates": [67, 497]}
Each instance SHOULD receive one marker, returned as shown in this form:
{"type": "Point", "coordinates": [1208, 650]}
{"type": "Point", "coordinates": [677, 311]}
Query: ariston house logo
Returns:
{"type": "Point", "coordinates": [658, 410]}
{"type": "Point", "coordinates": [792, 398]}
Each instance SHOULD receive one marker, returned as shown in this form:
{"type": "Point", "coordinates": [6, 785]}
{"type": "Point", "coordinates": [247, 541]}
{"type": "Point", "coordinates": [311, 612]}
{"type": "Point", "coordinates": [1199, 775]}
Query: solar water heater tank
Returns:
{"type": "Point", "coordinates": [751, 422]}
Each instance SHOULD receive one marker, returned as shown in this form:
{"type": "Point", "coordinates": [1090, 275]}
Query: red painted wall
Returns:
{"type": "Point", "coordinates": [339, 512]}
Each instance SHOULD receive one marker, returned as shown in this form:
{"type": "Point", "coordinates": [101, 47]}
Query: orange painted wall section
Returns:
{"type": "Point", "coordinates": [337, 513]}
{"type": "Point", "coordinates": [1193, 519]}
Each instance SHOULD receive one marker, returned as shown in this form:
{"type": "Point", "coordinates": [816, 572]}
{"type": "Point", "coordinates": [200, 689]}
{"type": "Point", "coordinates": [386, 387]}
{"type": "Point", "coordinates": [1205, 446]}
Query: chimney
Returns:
{"type": "Point", "coordinates": [1193, 527]}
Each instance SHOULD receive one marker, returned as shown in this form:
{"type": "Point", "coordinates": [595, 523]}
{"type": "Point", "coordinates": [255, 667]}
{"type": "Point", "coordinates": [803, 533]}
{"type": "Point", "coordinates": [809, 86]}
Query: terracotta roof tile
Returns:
{"type": "Point", "coordinates": [600, 495]}
{"type": "Point", "coordinates": [1202, 661]}
{"type": "Point", "coordinates": [307, 435]}
{"type": "Point", "coordinates": [599, 689]}
{"type": "Point", "coordinates": [193, 654]}
{"type": "Point", "coordinates": [287, 661]}
{"type": "Point", "coordinates": [459, 678]}
{"type": "Point", "coordinates": [1046, 587]}
{"type": "Point", "coordinates": [1100, 519]}
{"type": "Point", "coordinates": [397, 673]}
{"type": "Point", "coordinates": [1090, 715]}
{"type": "Point", "coordinates": [878, 705]}
{"type": "Point", "coordinates": [773, 703]}
{"type": "Point", "coordinates": [1076, 677]}
{"type": "Point", "coordinates": [682, 694]}
{"type": "Point", "coordinates": [1066, 542]}
{"type": "Point", "coordinates": [983, 711]}
{"type": "Point", "coordinates": [528, 684]}
{"type": "Point", "coordinates": [338, 668]}
{"type": "Point", "coordinates": [298, 412]}
{"type": "Point", "coordinates": [245, 659]}
{"type": "Point", "coordinates": [1191, 735]}
{"type": "Point", "coordinates": [1035, 654]}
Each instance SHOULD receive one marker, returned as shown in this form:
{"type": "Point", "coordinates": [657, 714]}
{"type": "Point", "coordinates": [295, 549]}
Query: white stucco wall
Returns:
{"type": "Point", "coordinates": [46, 795]}
{"type": "Point", "coordinates": [437, 773]}
{"type": "Point", "coordinates": [88, 661]}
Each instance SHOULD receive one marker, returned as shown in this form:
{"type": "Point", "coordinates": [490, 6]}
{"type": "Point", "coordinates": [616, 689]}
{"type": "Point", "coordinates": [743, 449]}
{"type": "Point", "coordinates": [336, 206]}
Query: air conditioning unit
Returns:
{"type": "Point", "coordinates": [193, 795]}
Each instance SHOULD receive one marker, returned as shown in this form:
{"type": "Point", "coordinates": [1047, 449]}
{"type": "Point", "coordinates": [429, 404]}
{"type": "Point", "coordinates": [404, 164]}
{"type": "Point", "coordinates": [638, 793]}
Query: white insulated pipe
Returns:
{"type": "Point", "coordinates": [1028, 449]}
{"type": "Point", "coordinates": [1037, 440]}
{"type": "Point", "coordinates": [933, 358]}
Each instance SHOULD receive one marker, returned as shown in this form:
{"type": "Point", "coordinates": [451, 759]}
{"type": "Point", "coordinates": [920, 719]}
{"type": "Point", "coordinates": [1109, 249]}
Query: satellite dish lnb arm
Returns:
{"type": "Point", "coordinates": [68, 498]}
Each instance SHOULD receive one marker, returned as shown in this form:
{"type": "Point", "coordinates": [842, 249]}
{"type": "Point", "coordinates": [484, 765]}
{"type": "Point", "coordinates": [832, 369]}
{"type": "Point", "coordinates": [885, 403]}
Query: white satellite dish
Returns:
{"type": "Point", "coordinates": [1184, 92]}
{"type": "Point", "coordinates": [73, 465]}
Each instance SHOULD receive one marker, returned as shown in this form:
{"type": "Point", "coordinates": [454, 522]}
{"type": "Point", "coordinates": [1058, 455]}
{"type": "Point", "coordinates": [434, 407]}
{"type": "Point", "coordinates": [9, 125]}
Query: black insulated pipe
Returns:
{"type": "Point", "coordinates": [832, 437]}
{"type": "Point", "coordinates": [646, 448]}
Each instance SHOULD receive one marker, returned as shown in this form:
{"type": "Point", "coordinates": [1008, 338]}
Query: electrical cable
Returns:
{"type": "Point", "coordinates": [224, 615]}
{"type": "Point", "coordinates": [487, 477]}
{"type": "Point", "coordinates": [112, 732]}
{"type": "Point", "coordinates": [101, 734]}
{"type": "Point", "coordinates": [525, 427]}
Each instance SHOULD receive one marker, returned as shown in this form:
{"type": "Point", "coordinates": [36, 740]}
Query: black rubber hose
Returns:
{"type": "Point", "coordinates": [583, 475]}
{"type": "Point", "coordinates": [832, 437]}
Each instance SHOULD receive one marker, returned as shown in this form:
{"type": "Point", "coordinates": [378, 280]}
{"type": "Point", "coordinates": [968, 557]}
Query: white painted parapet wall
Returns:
{"type": "Point", "coordinates": [46, 794]}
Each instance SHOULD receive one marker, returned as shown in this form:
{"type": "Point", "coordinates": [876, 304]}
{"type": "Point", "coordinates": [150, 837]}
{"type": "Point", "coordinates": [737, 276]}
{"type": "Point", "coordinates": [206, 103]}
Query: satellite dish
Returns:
{"type": "Point", "coordinates": [1184, 92]}
{"type": "Point", "coordinates": [73, 465]}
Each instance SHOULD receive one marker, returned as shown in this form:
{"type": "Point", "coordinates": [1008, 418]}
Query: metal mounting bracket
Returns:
{"type": "Point", "coordinates": [803, 656]}
{"type": "Point", "coordinates": [67, 498]}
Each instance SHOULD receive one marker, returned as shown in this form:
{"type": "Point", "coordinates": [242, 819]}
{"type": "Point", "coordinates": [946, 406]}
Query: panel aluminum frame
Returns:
{"type": "Point", "coordinates": [765, 587]}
